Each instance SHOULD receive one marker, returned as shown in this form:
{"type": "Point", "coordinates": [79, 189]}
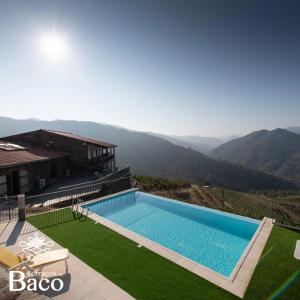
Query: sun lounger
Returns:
{"type": "Point", "coordinates": [297, 250]}
{"type": "Point", "coordinates": [9, 259]}
{"type": "Point", "coordinates": [12, 261]}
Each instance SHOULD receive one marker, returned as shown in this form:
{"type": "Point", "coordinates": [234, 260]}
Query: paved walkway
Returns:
{"type": "Point", "coordinates": [81, 282]}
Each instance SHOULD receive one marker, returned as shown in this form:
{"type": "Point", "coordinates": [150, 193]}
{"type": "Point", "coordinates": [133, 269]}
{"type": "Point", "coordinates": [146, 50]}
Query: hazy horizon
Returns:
{"type": "Point", "coordinates": [207, 68]}
{"type": "Point", "coordinates": [224, 137]}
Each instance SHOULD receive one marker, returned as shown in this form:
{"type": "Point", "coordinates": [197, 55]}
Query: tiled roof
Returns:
{"type": "Point", "coordinates": [81, 138]}
{"type": "Point", "coordinates": [32, 155]}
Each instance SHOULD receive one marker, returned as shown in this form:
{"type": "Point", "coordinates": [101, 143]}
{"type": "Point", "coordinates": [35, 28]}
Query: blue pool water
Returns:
{"type": "Point", "coordinates": [209, 237]}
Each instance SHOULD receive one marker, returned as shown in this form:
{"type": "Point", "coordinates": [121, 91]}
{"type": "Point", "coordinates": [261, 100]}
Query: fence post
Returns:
{"type": "Point", "coordinates": [9, 216]}
{"type": "Point", "coordinates": [21, 208]}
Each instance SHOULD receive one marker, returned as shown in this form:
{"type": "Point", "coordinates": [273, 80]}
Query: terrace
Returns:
{"type": "Point", "coordinates": [108, 264]}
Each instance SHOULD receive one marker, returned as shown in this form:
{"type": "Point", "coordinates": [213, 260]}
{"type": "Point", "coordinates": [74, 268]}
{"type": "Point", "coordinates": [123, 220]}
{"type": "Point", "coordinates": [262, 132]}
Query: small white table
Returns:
{"type": "Point", "coordinates": [297, 250]}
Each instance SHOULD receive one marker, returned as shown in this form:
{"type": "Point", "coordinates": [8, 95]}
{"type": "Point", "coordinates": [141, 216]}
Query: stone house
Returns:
{"type": "Point", "coordinates": [32, 160]}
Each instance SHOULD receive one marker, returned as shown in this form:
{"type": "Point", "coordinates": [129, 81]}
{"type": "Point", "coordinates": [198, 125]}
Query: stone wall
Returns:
{"type": "Point", "coordinates": [30, 175]}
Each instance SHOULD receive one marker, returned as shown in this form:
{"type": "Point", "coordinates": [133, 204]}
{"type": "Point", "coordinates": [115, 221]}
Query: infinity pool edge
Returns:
{"type": "Point", "coordinates": [240, 277]}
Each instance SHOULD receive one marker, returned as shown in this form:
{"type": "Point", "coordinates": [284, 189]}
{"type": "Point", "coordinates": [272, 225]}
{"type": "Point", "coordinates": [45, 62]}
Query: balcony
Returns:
{"type": "Point", "coordinates": [106, 157]}
{"type": "Point", "coordinates": [101, 159]}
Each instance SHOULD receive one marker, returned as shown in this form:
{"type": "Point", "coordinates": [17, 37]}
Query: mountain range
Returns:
{"type": "Point", "coordinates": [195, 142]}
{"type": "Point", "coordinates": [151, 155]}
{"type": "Point", "coordinates": [294, 129]}
{"type": "Point", "coordinates": [276, 152]}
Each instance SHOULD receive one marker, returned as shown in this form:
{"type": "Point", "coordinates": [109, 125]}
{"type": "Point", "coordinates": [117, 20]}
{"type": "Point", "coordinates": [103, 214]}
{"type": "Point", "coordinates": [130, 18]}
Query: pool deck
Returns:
{"type": "Point", "coordinates": [236, 284]}
{"type": "Point", "coordinates": [81, 282]}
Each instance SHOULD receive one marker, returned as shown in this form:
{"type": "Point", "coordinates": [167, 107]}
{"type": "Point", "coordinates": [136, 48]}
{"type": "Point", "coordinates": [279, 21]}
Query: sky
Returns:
{"type": "Point", "coordinates": [209, 68]}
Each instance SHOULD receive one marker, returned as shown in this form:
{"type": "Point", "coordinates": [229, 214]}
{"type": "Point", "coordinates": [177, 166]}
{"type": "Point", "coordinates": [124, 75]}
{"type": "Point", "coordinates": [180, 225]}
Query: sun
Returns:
{"type": "Point", "coordinates": [54, 46]}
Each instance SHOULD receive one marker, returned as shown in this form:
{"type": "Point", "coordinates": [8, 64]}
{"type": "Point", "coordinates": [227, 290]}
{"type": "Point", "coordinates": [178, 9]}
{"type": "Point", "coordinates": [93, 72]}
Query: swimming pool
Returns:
{"type": "Point", "coordinates": [212, 238]}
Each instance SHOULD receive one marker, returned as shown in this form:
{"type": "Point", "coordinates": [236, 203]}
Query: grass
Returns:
{"type": "Point", "coordinates": [146, 275]}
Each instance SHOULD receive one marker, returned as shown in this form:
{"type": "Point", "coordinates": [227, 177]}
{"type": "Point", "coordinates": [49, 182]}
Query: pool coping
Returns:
{"type": "Point", "coordinates": [239, 279]}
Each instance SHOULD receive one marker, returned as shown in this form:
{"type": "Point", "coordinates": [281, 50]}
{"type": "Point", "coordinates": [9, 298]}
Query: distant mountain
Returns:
{"type": "Point", "coordinates": [229, 138]}
{"type": "Point", "coordinates": [207, 143]}
{"type": "Point", "coordinates": [150, 155]}
{"type": "Point", "coordinates": [177, 140]}
{"type": "Point", "coordinates": [276, 152]}
{"type": "Point", "coordinates": [294, 129]}
{"type": "Point", "coordinates": [195, 142]}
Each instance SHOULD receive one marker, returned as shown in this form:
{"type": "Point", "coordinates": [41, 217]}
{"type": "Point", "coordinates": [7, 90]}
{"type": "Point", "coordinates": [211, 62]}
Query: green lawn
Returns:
{"type": "Point", "coordinates": [146, 275]}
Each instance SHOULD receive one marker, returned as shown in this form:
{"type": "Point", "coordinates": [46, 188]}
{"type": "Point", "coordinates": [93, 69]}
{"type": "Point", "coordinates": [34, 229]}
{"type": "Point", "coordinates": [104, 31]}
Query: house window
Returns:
{"type": "Point", "coordinates": [53, 171]}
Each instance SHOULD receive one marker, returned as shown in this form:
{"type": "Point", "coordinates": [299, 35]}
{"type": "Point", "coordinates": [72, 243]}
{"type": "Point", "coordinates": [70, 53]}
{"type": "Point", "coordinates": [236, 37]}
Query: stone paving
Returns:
{"type": "Point", "coordinates": [80, 282]}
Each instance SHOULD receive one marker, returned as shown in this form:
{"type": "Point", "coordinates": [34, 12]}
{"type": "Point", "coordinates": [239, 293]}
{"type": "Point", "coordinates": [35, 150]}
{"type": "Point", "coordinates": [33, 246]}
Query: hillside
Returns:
{"type": "Point", "coordinates": [276, 152]}
{"type": "Point", "coordinates": [195, 142]}
{"type": "Point", "coordinates": [201, 141]}
{"type": "Point", "coordinates": [294, 129]}
{"type": "Point", "coordinates": [279, 205]}
{"type": "Point", "coordinates": [180, 141]}
{"type": "Point", "coordinates": [149, 155]}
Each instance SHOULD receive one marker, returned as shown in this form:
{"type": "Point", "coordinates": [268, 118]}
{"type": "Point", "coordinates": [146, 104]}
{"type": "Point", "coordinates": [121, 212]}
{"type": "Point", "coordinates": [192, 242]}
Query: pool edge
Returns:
{"type": "Point", "coordinates": [240, 277]}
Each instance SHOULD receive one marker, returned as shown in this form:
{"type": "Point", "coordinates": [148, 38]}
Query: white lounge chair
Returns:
{"type": "Point", "coordinates": [12, 261]}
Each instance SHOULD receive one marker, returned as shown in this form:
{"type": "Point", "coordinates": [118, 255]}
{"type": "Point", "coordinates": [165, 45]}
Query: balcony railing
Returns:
{"type": "Point", "coordinates": [101, 159]}
{"type": "Point", "coordinates": [107, 157]}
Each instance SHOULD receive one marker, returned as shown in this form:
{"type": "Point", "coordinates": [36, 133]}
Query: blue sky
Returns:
{"type": "Point", "coordinates": [211, 68]}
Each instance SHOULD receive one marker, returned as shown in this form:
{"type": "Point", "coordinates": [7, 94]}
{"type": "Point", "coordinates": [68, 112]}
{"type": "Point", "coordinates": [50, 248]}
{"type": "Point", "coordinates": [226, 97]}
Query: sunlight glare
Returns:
{"type": "Point", "coordinates": [54, 46]}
